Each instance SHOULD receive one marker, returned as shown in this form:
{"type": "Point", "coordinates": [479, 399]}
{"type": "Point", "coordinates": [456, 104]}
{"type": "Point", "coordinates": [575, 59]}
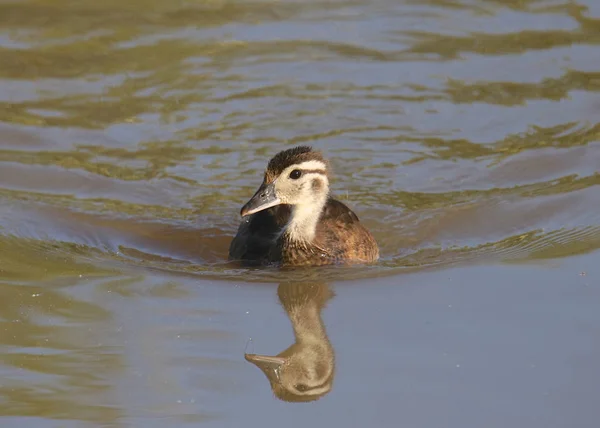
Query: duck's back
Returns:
{"type": "Point", "coordinates": [343, 236]}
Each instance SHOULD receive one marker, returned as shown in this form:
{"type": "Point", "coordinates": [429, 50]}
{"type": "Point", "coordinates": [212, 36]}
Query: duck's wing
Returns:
{"type": "Point", "coordinates": [338, 212]}
{"type": "Point", "coordinates": [343, 235]}
{"type": "Point", "coordinates": [256, 234]}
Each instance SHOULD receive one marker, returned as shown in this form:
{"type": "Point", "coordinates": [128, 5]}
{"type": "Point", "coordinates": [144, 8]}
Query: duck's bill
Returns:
{"type": "Point", "coordinates": [265, 362]}
{"type": "Point", "coordinates": [264, 198]}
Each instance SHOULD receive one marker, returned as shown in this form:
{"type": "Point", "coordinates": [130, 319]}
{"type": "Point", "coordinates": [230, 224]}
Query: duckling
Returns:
{"type": "Point", "coordinates": [304, 371]}
{"type": "Point", "coordinates": [292, 219]}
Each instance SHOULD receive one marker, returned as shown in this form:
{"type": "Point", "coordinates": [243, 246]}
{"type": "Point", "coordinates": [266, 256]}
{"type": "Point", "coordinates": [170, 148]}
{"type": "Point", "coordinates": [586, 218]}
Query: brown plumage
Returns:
{"type": "Point", "coordinates": [339, 238]}
{"type": "Point", "coordinates": [292, 219]}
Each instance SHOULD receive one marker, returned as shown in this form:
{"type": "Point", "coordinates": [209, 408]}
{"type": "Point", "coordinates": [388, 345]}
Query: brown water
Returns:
{"type": "Point", "coordinates": [465, 135]}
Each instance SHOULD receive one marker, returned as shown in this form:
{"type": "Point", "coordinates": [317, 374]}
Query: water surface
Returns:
{"type": "Point", "coordinates": [464, 134]}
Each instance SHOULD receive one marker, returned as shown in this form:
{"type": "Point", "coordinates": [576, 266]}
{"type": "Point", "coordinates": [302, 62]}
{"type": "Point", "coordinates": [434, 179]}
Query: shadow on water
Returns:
{"type": "Point", "coordinates": [305, 370]}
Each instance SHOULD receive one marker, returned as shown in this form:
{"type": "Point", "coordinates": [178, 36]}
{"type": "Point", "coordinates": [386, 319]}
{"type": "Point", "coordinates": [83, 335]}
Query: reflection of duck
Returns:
{"type": "Point", "coordinates": [305, 370]}
{"type": "Point", "coordinates": [291, 218]}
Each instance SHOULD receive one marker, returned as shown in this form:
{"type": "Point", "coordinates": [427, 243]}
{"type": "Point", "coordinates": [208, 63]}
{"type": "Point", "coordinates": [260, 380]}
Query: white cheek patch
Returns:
{"type": "Point", "coordinates": [308, 194]}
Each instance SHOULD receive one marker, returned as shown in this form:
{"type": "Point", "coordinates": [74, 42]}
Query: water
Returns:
{"type": "Point", "coordinates": [464, 134]}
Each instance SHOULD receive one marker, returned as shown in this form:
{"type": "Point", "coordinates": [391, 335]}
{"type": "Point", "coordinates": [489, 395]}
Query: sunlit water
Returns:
{"type": "Point", "coordinates": [464, 134]}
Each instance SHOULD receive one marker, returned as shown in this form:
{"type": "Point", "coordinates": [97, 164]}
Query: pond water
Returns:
{"type": "Point", "coordinates": [464, 133]}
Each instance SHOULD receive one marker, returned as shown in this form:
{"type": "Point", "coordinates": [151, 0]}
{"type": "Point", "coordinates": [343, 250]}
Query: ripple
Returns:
{"type": "Point", "coordinates": [149, 136]}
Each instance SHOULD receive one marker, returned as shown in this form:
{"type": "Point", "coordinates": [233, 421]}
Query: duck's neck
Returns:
{"type": "Point", "coordinates": [304, 218]}
{"type": "Point", "coordinates": [307, 324]}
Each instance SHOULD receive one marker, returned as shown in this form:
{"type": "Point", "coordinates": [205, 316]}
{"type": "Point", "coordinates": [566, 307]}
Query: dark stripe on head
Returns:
{"type": "Point", "coordinates": [287, 158]}
{"type": "Point", "coordinates": [313, 171]}
{"type": "Point", "coordinates": [323, 384]}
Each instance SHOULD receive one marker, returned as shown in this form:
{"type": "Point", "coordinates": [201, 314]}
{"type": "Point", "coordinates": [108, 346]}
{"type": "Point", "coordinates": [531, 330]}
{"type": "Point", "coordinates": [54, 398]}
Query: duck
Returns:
{"type": "Point", "coordinates": [305, 371]}
{"type": "Point", "coordinates": [293, 220]}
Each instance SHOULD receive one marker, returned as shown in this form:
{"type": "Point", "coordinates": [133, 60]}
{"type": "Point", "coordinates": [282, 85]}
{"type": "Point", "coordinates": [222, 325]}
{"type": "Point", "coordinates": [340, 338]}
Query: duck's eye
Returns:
{"type": "Point", "coordinates": [301, 387]}
{"type": "Point", "coordinates": [295, 174]}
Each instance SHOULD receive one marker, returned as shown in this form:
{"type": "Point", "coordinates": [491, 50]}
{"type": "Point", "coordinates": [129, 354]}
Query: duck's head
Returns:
{"type": "Point", "coordinates": [296, 177]}
{"type": "Point", "coordinates": [304, 375]}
